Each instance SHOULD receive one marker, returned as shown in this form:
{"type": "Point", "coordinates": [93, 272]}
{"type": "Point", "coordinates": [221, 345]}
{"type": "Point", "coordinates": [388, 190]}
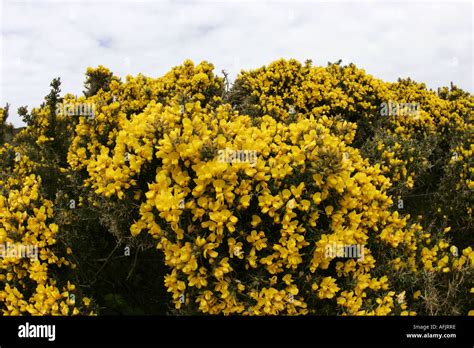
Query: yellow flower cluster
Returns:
{"type": "Point", "coordinates": [239, 236]}
{"type": "Point", "coordinates": [401, 142]}
{"type": "Point", "coordinates": [185, 83]}
{"type": "Point", "coordinates": [2, 115]}
{"type": "Point", "coordinates": [248, 191]}
{"type": "Point", "coordinates": [28, 238]}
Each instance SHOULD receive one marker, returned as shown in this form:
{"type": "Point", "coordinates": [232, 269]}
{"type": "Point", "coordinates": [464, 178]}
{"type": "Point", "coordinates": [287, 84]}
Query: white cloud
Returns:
{"type": "Point", "coordinates": [40, 40]}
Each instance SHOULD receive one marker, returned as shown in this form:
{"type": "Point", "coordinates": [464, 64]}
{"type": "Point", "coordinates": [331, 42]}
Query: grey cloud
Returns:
{"type": "Point", "coordinates": [430, 42]}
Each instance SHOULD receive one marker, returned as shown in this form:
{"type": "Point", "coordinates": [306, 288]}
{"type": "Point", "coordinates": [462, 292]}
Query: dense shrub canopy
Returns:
{"type": "Point", "coordinates": [244, 190]}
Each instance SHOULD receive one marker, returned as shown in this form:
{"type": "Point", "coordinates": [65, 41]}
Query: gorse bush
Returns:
{"type": "Point", "coordinates": [298, 190]}
{"type": "Point", "coordinates": [32, 283]}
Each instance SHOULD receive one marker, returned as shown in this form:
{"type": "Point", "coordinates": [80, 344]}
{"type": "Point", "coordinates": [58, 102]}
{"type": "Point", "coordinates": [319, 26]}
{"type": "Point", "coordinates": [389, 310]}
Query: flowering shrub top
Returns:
{"type": "Point", "coordinates": [250, 193]}
{"type": "Point", "coordinates": [29, 284]}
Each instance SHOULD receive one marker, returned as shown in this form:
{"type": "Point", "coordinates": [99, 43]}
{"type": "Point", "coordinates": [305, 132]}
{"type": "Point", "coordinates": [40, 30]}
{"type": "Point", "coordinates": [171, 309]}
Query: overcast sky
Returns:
{"type": "Point", "coordinates": [431, 42]}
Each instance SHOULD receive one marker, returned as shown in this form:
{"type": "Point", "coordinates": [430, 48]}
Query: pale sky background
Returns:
{"type": "Point", "coordinates": [430, 42]}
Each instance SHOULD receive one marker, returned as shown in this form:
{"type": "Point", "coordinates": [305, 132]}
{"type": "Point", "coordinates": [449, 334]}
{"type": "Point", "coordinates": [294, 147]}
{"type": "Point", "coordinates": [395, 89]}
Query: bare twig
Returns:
{"type": "Point", "coordinates": [107, 260]}
{"type": "Point", "coordinates": [133, 265]}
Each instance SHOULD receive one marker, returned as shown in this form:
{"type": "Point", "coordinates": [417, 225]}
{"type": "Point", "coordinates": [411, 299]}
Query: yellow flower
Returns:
{"type": "Point", "coordinates": [329, 209]}
{"type": "Point", "coordinates": [328, 288]}
{"type": "Point", "coordinates": [256, 220]}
